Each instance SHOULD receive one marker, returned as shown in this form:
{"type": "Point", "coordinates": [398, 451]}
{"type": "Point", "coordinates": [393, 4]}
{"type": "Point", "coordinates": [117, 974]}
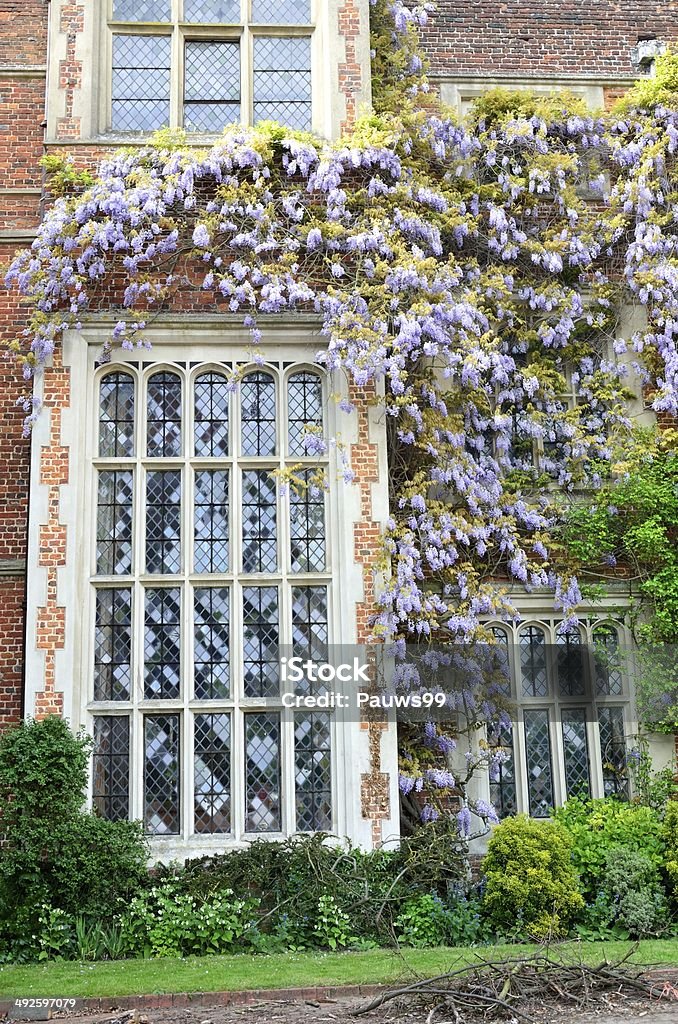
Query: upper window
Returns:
{"type": "Point", "coordinates": [205, 64]}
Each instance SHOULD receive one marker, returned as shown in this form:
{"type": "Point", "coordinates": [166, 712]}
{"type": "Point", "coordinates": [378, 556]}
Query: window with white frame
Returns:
{"type": "Point", "coordinates": [205, 64]}
{"type": "Point", "coordinates": [572, 717]}
{"type": "Point", "coordinates": [202, 566]}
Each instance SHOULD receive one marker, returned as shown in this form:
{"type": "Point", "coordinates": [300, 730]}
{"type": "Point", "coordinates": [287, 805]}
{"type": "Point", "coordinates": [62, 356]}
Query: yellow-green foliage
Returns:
{"type": "Point", "coordinates": [531, 886]}
{"type": "Point", "coordinates": [659, 90]}
{"type": "Point", "coordinates": [497, 105]}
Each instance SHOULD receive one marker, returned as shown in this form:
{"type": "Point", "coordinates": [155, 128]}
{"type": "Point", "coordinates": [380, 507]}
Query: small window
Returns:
{"type": "Point", "coordinates": [140, 93]}
{"type": "Point", "coordinates": [116, 416]}
{"type": "Point", "coordinates": [570, 664]}
{"type": "Point", "coordinates": [607, 662]}
{"type": "Point", "coordinates": [258, 415]}
{"type": "Point", "coordinates": [110, 773]}
{"type": "Point", "coordinates": [533, 668]}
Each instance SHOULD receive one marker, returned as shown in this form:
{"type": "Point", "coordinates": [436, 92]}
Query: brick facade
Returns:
{"type": "Point", "coordinates": [542, 38]}
{"type": "Point", "coordinates": [23, 53]}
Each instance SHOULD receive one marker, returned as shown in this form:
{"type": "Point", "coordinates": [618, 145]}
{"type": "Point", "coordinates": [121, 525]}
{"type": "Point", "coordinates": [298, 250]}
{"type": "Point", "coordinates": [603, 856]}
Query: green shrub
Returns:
{"type": "Point", "coordinates": [166, 922]}
{"type": "Point", "coordinates": [531, 886]}
{"type": "Point", "coordinates": [598, 826]}
{"type": "Point", "coordinates": [57, 861]}
{"type": "Point", "coordinates": [423, 921]}
{"type": "Point", "coordinates": [632, 884]}
{"type": "Point", "coordinates": [670, 838]}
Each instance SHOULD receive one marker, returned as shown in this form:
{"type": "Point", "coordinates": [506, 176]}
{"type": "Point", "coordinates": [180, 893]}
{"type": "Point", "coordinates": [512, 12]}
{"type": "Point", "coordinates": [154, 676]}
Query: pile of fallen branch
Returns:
{"type": "Point", "coordinates": [517, 988]}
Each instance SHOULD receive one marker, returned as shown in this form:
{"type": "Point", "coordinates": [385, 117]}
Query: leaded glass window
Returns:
{"type": "Point", "coordinates": [114, 522]}
{"type": "Point", "coordinates": [140, 93]}
{"type": "Point", "coordinates": [613, 751]}
{"type": "Point", "coordinates": [116, 415]}
{"type": "Point", "coordinates": [607, 662]}
{"type": "Point", "coordinates": [313, 768]}
{"type": "Point", "coordinates": [539, 773]}
{"type": "Point", "coordinates": [113, 644]}
{"type": "Point", "coordinates": [258, 414]}
{"type": "Point", "coordinates": [576, 752]}
{"type": "Point", "coordinates": [307, 523]}
{"type": "Point", "coordinates": [162, 774]}
{"type": "Point", "coordinates": [533, 668]}
{"type": "Point", "coordinates": [503, 796]}
{"type": "Point", "coordinates": [262, 772]}
{"type": "Point", "coordinates": [220, 565]}
{"type": "Point", "coordinates": [168, 72]}
{"type": "Point", "coordinates": [211, 520]}
{"type": "Point", "coordinates": [110, 773]}
{"type": "Point", "coordinates": [282, 80]}
{"type": "Point", "coordinates": [211, 397]}
{"type": "Point", "coordinates": [304, 411]}
{"type": "Point", "coordinates": [570, 664]}
{"type": "Point", "coordinates": [212, 768]}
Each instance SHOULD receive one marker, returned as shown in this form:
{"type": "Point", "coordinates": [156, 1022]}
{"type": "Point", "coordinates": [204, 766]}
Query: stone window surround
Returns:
{"type": "Point", "coordinates": [210, 339]}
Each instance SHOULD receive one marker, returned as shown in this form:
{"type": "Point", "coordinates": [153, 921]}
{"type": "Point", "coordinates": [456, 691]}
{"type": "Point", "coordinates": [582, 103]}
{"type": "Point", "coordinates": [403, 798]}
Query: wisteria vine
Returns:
{"type": "Point", "coordinates": [474, 273]}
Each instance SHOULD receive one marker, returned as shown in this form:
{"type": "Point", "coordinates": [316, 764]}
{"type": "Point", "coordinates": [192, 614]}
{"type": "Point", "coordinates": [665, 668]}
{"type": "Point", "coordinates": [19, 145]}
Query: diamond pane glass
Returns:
{"type": "Point", "coordinates": [607, 662]}
{"type": "Point", "coordinates": [262, 772]}
{"type": "Point", "coordinates": [113, 644]}
{"type": "Point", "coordinates": [502, 771]}
{"type": "Point", "coordinates": [141, 10]}
{"type": "Point", "coordinates": [211, 415]}
{"type": "Point", "coordinates": [212, 12]}
{"type": "Point", "coordinates": [313, 772]}
{"type": "Point", "coordinates": [110, 767]}
{"type": "Point", "coordinates": [211, 520]}
{"type": "Point", "coordinates": [212, 773]}
{"type": "Point", "coordinates": [116, 416]}
{"type": "Point", "coordinates": [258, 414]}
{"type": "Point", "coordinates": [114, 522]}
{"type": "Point", "coordinates": [304, 410]}
{"type": "Point", "coordinates": [533, 662]}
{"type": "Point", "coordinates": [163, 521]}
{"type": "Point", "coordinates": [259, 521]}
{"type": "Point", "coordinates": [282, 80]}
{"type": "Point", "coordinates": [211, 85]}
{"type": "Point", "coordinates": [162, 644]}
{"type": "Point", "coordinates": [163, 431]}
{"type": "Point", "coordinates": [211, 657]}
{"type": "Point", "coordinates": [260, 641]}
{"type": "Point", "coordinates": [570, 665]}
{"type": "Point", "coordinates": [613, 752]}
{"type": "Point", "coordinates": [307, 524]}
{"type": "Point", "coordinates": [161, 774]}
{"type": "Point", "coordinates": [310, 628]}
{"type": "Point", "coordinates": [538, 751]}
{"type": "Point", "coordinates": [576, 751]}
{"type": "Point", "coordinates": [500, 661]}
{"type": "Point", "coordinates": [211, 410]}
{"type": "Point", "coordinates": [140, 83]}
{"type": "Point", "coordinates": [281, 12]}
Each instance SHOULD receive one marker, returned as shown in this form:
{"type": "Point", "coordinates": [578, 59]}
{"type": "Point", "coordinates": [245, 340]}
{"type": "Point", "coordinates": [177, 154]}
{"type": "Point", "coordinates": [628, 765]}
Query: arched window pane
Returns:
{"type": "Point", "coordinates": [499, 662]}
{"type": "Point", "coordinates": [570, 664]}
{"type": "Point", "coordinates": [304, 410]}
{"type": "Point", "coordinates": [116, 416]}
{"type": "Point", "coordinates": [163, 434]}
{"type": "Point", "coordinates": [607, 663]}
{"type": "Point", "coordinates": [211, 415]}
{"type": "Point", "coordinates": [533, 662]}
{"type": "Point", "coordinates": [258, 414]}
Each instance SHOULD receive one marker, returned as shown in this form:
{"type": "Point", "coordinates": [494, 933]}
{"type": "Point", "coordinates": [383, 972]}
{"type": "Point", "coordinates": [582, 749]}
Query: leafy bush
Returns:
{"type": "Point", "coordinates": [598, 826]}
{"type": "Point", "coordinates": [633, 886]}
{"type": "Point", "coordinates": [670, 837]}
{"type": "Point", "coordinates": [424, 921]}
{"type": "Point", "coordinates": [166, 922]}
{"type": "Point", "coordinates": [57, 861]}
{"type": "Point", "coordinates": [531, 886]}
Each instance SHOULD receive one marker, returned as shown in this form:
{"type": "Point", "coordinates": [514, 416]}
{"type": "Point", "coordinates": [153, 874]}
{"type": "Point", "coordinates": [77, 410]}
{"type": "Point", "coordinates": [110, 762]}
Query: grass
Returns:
{"type": "Point", "coordinates": [284, 970]}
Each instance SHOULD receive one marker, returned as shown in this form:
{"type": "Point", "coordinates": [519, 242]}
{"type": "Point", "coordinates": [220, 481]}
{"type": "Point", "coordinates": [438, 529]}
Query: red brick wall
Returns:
{"type": "Point", "coordinates": [538, 38]}
{"type": "Point", "coordinates": [23, 36]}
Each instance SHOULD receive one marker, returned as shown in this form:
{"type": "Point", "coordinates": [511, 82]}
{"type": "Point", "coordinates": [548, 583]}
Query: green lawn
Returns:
{"type": "Point", "coordinates": [285, 970]}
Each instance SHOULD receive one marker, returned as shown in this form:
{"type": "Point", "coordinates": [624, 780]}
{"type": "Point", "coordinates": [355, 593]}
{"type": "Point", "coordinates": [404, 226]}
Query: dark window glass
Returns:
{"type": "Point", "coordinates": [539, 775]}
{"type": "Point", "coordinates": [313, 772]}
{"type": "Point", "coordinates": [211, 656]}
{"type": "Point", "coordinates": [114, 522]}
{"type": "Point", "coordinates": [211, 415]}
{"type": "Point", "coordinates": [162, 644]}
{"type": "Point", "coordinates": [211, 520]}
{"type": "Point", "coordinates": [607, 662]}
{"type": "Point", "coordinates": [262, 772]}
{"type": "Point", "coordinates": [533, 662]}
{"type": "Point", "coordinates": [576, 751]}
{"type": "Point", "coordinates": [110, 768]}
{"type": "Point", "coordinates": [613, 752]}
{"type": "Point", "coordinates": [307, 524]}
{"type": "Point", "coordinates": [570, 665]}
{"type": "Point", "coordinates": [116, 416]}
{"type": "Point", "coordinates": [502, 771]}
{"type": "Point", "coordinates": [304, 410]}
{"type": "Point", "coordinates": [212, 773]}
{"type": "Point", "coordinates": [113, 644]}
{"type": "Point", "coordinates": [161, 775]}
{"type": "Point", "coordinates": [259, 521]}
{"type": "Point", "coordinates": [163, 429]}
{"type": "Point", "coordinates": [258, 414]}
{"type": "Point", "coordinates": [260, 641]}
{"type": "Point", "coordinates": [163, 521]}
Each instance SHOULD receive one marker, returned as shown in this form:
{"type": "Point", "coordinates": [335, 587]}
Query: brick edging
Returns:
{"type": "Point", "coordinates": [243, 997]}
